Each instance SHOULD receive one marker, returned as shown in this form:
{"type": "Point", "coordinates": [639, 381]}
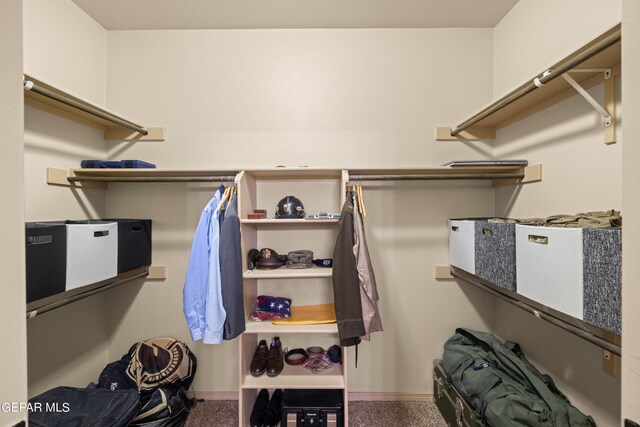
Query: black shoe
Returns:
{"type": "Point", "coordinates": [259, 361]}
{"type": "Point", "coordinates": [259, 410]}
{"type": "Point", "coordinates": [274, 410]}
{"type": "Point", "coordinates": [275, 361]}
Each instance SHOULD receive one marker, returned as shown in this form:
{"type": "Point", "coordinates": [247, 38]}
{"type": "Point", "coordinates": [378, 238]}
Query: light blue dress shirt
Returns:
{"type": "Point", "coordinates": [203, 307]}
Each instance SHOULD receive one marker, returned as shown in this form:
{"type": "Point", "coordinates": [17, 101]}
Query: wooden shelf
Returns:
{"type": "Point", "coordinates": [52, 302]}
{"type": "Point", "coordinates": [62, 103]}
{"type": "Point", "coordinates": [298, 377]}
{"type": "Point", "coordinates": [99, 178]}
{"type": "Point", "coordinates": [501, 175]}
{"type": "Point", "coordinates": [272, 221]}
{"type": "Point", "coordinates": [540, 98]}
{"type": "Point", "coordinates": [570, 324]}
{"type": "Point", "coordinates": [295, 174]}
{"type": "Point", "coordinates": [269, 328]}
{"type": "Point", "coordinates": [288, 273]}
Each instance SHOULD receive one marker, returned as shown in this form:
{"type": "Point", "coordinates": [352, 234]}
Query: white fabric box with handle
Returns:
{"type": "Point", "coordinates": [462, 244]}
{"type": "Point", "coordinates": [549, 267]}
{"type": "Point", "coordinates": [92, 252]}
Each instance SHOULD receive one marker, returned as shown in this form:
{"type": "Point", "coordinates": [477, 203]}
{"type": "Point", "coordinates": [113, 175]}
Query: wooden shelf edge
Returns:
{"type": "Point", "coordinates": [272, 221]}
{"type": "Point", "coordinates": [532, 173]}
{"type": "Point", "coordinates": [561, 320]}
{"type": "Point", "coordinates": [269, 328]}
{"type": "Point", "coordinates": [53, 302]}
{"type": "Point", "coordinates": [289, 273]}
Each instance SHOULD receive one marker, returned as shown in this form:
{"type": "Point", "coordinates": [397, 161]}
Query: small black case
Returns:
{"type": "Point", "coordinates": [304, 408]}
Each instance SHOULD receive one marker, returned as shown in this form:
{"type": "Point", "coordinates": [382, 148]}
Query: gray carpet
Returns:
{"type": "Point", "coordinates": [224, 413]}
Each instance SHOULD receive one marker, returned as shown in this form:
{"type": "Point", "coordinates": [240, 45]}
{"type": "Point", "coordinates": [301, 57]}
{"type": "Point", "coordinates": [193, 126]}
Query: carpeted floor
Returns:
{"type": "Point", "coordinates": [224, 413]}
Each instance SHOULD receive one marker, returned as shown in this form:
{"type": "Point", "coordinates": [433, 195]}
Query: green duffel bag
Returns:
{"type": "Point", "coordinates": [503, 387]}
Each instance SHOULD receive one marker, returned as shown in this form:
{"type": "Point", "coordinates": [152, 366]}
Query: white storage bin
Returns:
{"type": "Point", "coordinates": [92, 252]}
{"type": "Point", "coordinates": [462, 244]}
{"type": "Point", "coordinates": [549, 267]}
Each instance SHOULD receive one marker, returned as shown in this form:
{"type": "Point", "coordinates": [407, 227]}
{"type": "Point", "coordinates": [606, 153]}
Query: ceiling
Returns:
{"type": "Point", "coordinates": [229, 14]}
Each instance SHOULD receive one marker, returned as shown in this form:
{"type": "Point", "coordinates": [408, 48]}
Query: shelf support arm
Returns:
{"type": "Point", "coordinates": [604, 113]}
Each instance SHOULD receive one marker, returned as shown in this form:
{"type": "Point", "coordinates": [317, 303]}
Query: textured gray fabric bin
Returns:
{"type": "Point", "coordinates": [495, 253]}
{"type": "Point", "coordinates": [602, 263]}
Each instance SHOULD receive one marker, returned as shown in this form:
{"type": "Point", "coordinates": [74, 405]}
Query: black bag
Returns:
{"type": "Point", "coordinates": [165, 406]}
{"type": "Point", "coordinates": [83, 407]}
{"type": "Point", "coordinates": [114, 375]}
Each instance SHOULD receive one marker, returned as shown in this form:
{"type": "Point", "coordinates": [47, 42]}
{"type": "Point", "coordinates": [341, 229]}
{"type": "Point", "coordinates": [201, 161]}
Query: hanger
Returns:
{"type": "Point", "coordinates": [224, 198]}
{"type": "Point", "coordinates": [361, 207]}
{"type": "Point", "coordinates": [357, 189]}
{"type": "Point", "coordinates": [227, 197]}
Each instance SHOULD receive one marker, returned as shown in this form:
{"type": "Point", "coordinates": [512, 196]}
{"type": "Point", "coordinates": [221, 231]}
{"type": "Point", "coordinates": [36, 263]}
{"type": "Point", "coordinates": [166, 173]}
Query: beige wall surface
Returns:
{"type": "Point", "coordinates": [535, 34]}
{"type": "Point", "coordinates": [631, 208]}
{"type": "Point", "coordinates": [13, 341]}
{"type": "Point", "coordinates": [580, 173]}
{"type": "Point", "coordinates": [63, 46]}
{"type": "Point", "coordinates": [322, 98]}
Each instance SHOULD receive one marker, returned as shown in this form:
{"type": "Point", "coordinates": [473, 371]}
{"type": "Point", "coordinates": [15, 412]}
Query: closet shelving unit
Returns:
{"type": "Point", "coordinates": [262, 189]}
{"type": "Point", "coordinates": [58, 101]}
{"type": "Point", "coordinates": [597, 61]}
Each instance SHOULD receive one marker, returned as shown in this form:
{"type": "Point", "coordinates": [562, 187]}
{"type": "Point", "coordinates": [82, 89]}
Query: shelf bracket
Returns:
{"type": "Point", "coordinates": [532, 173]}
{"type": "Point", "coordinates": [609, 100]}
{"type": "Point", "coordinates": [474, 133]}
{"type": "Point", "coordinates": [56, 176]}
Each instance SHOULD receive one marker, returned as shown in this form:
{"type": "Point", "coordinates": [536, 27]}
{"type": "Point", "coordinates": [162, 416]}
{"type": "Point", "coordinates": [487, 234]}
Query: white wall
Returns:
{"type": "Point", "coordinates": [64, 47]}
{"type": "Point", "coordinates": [631, 208]}
{"type": "Point", "coordinates": [322, 98]}
{"type": "Point", "coordinates": [580, 173]}
{"type": "Point", "coordinates": [13, 341]}
{"type": "Point", "coordinates": [536, 34]}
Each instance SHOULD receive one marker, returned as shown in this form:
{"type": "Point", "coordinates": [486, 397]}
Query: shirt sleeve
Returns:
{"type": "Point", "coordinates": [214, 312]}
{"type": "Point", "coordinates": [197, 278]}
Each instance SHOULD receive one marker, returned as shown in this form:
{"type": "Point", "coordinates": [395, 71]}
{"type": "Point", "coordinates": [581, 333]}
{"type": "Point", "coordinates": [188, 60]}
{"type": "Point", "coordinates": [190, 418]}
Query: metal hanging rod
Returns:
{"type": "Point", "coordinates": [31, 86]}
{"type": "Point", "coordinates": [584, 334]}
{"type": "Point", "coordinates": [539, 82]}
{"type": "Point", "coordinates": [417, 177]}
{"type": "Point", "coordinates": [225, 178]}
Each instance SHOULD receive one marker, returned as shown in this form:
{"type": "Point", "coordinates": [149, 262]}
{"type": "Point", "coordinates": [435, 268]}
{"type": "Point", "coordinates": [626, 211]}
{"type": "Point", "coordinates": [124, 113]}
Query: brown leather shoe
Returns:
{"type": "Point", "coordinates": [259, 361]}
{"type": "Point", "coordinates": [275, 362]}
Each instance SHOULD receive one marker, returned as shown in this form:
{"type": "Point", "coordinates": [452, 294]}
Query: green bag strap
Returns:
{"type": "Point", "coordinates": [559, 412]}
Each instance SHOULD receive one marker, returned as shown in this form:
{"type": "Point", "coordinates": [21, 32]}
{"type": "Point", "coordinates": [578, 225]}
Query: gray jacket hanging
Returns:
{"type": "Point", "coordinates": [231, 272]}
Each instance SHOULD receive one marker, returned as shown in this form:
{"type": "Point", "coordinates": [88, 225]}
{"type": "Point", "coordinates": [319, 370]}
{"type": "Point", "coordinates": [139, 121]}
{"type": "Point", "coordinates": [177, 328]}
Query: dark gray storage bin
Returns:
{"type": "Point", "coordinates": [602, 262]}
{"type": "Point", "coordinates": [495, 253]}
{"type": "Point", "coordinates": [134, 243]}
{"type": "Point", "coordinates": [46, 259]}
